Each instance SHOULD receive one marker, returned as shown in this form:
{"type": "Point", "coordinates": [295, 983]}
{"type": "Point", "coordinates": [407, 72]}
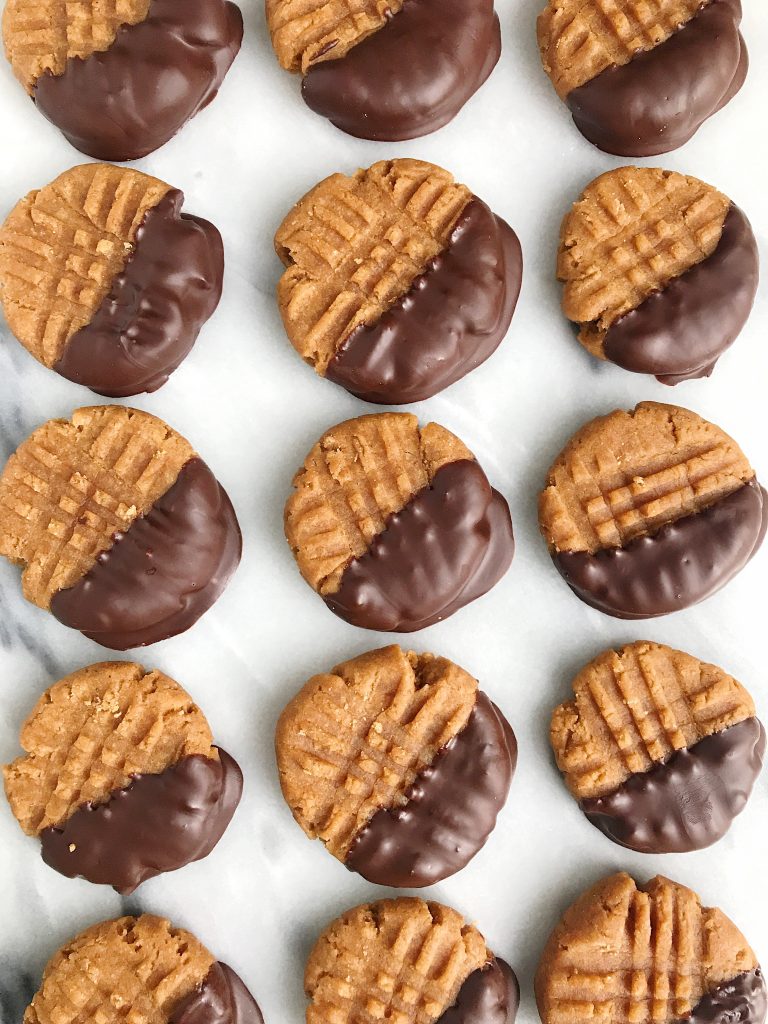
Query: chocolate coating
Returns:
{"type": "Point", "coordinates": [689, 801]}
{"type": "Point", "coordinates": [658, 100]}
{"type": "Point", "coordinates": [125, 102]}
{"type": "Point", "coordinates": [155, 307]}
{"type": "Point", "coordinates": [164, 572]}
{"type": "Point", "coordinates": [157, 823]}
{"type": "Point", "coordinates": [488, 996]}
{"type": "Point", "coordinates": [412, 76]}
{"type": "Point", "coordinates": [221, 999]}
{"type": "Point", "coordinates": [740, 1001]}
{"type": "Point", "coordinates": [680, 332]}
{"type": "Point", "coordinates": [684, 563]}
{"type": "Point", "coordinates": [450, 808]}
{"type": "Point", "coordinates": [450, 544]}
{"type": "Point", "coordinates": [452, 318]}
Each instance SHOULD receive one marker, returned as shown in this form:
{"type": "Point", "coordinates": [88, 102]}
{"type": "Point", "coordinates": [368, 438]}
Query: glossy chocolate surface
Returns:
{"type": "Point", "coordinates": [680, 332]}
{"type": "Point", "coordinates": [657, 101]}
{"type": "Point", "coordinates": [221, 999]}
{"type": "Point", "coordinates": [488, 996]}
{"type": "Point", "coordinates": [450, 544]}
{"type": "Point", "coordinates": [157, 823]}
{"type": "Point", "coordinates": [164, 572]}
{"type": "Point", "coordinates": [413, 75]}
{"type": "Point", "coordinates": [453, 317]}
{"type": "Point", "coordinates": [155, 307]}
{"type": "Point", "coordinates": [450, 808]}
{"type": "Point", "coordinates": [684, 563]}
{"type": "Point", "coordinates": [125, 102]}
{"type": "Point", "coordinates": [740, 1001]}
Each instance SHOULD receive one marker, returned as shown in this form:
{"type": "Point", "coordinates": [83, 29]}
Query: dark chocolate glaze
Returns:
{"type": "Point", "coordinates": [689, 801]}
{"type": "Point", "coordinates": [658, 100]}
{"type": "Point", "coordinates": [679, 332]}
{"type": "Point", "coordinates": [129, 100]}
{"type": "Point", "coordinates": [740, 1001]}
{"type": "Point", "coordinates": [155, 307]}
{"type": "Point", "coordinates": [684, 563]}
{"type": "Point", "coordinates": [450, 544]}
{"type": "Point", "coordinates": [450, 808]}
{"type": "Point", "coordinates": [157, 823]}
{"type": "Point", "coordinates": [221, 999]}
{"type": "Point", "coordinates": [164, 572]}
{"type": "Point", "coordinates": [412, 76]}
{"type": "Point", "coordinates": [452, 318]}
{"type": "Point", "coordinates": [488, 996]}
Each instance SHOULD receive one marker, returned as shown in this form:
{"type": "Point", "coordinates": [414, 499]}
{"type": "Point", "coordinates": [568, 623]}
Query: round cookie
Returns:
{"type": "Point", "coordinates": [660, 271]}
{"type": "Point", "coordinates": [660, 749]}
{"type": "Point", "coordinates": [120, 780]}
{"type": "Point", "coordinates": [121, 529]}
{"type": "Point", "coordinates": [398, 763]}
{"type": "Point", "coordinates": [398, 280]}
{"type": "Point", "coordinates": [650, 511]}
{"type": "Point", "coordinates": [104, 280]}
{"type": "Point", "coordinates": [120, 80]}
{"type": "Point", "coordinates": [387, 70]}
{"type": "Point", "coordinates": [396, 527]}
{"type": "Point", "coordinates": [140, 969]}
{"type": "Point", "coordinates": [628, 954]}
{"type": "Point", "coordinates": [641, 79]}
{"type": "Point", "coordinates": [408, 961]}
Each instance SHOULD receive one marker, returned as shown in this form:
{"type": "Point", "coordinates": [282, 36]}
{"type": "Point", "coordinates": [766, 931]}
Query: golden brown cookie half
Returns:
{"type": "Point", "coordinates": [142, 969]}
{"type": "Point", "coordinates": [628, 954]}
{"type": "Point", "coordinates": [121, 530]}
{"type": "Point", "coordinates": [398, 280]}
{"type": "Point", "coordinates": [120, 780]}
{"type": "Point", "coordinates": [640, 79]}
{"type": "Point", "coordinates": [660, 749]}
{"type": "Point", "coordinates": [120, 79]}
{"type": "Point", "coordinates": [398, 763]}
{"type": "Point", "coordinates": [660, 271]}
{"type": "Point", "coordinates": [650, 511]}
{"type": "Point", "coordinates": [407, 961]}
{"type": "Point", "coordinates": [104, 280]}
{"type": "Point", "coordinates": [395, 526]}
{"type": "Point", "coordinates": [387, 69]}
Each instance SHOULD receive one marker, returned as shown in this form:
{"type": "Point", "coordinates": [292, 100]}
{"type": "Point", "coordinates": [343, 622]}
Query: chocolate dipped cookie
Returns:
{"type": "Point", "coordinates": [651, 511]}
{"type": "Point", "coordinates": [398, 280]}
{"type": "Point", "coordinates": [660, 749]}
{"type": "Point", "coordinates": [640, 79]}
{"type": "Point", "coordinates": [120, 780]}
{"type": "Point", "coordinates": [120, 80]}
{"type": "Point", "coordinates": [660, 272]}
{"type": "Point", "coordinates": [104, 280]}
{"type": "Point", "coordinates": [398, 763]}
{"type": "Point", "coordinates": [395, 526]}
{"type": "Point", "coordinates": [121, 530]}
{"type": "Point", "coordinates": [408, 961]}
{"type": "Point", "coordinates": [387, 70]}
{"type": "Point", "coordinates": [140, 969]}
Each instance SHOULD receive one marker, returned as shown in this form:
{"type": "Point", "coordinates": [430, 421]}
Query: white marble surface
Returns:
{"type": "Point", "coordinates": [253, 410]}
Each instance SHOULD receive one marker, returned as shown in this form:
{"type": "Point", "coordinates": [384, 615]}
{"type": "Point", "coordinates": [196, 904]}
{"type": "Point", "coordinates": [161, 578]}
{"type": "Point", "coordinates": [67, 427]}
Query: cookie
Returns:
{"type": "Point", "coordinates": [396, 527]}
{"type": "Point", "coordinates": [119, 80]}
{"type": "Point", "coordinates": [660, 749]}
{"type": "Point", "coordinates": [398, 280]}
{"type": "Point", "coordinates": [121, 530]}
{"type": "Point", "coordinates": [120, 780]}
{"type": "Point", "coordinates": [650, 511]}
{"type": "Point", "coordinates": [409, 962]}
{"type": "Point", "coordinates": [104, 280]}
{"type": "Point", "coordinates": [398, 763]}
{"type": "Point", "coordinates": [640, 79]}
{"type": "Point", "coordinates": [660, 271]}
{"type": "Point", "coordinates": [140, 969]}
{"type": "Point", "coordinates": [387, 70]}
{"type": "Point", "coordinates": [628, 954]}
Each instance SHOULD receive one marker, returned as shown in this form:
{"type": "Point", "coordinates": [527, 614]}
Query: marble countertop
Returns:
{"type": "Point", "coordinates": [253, 410]}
